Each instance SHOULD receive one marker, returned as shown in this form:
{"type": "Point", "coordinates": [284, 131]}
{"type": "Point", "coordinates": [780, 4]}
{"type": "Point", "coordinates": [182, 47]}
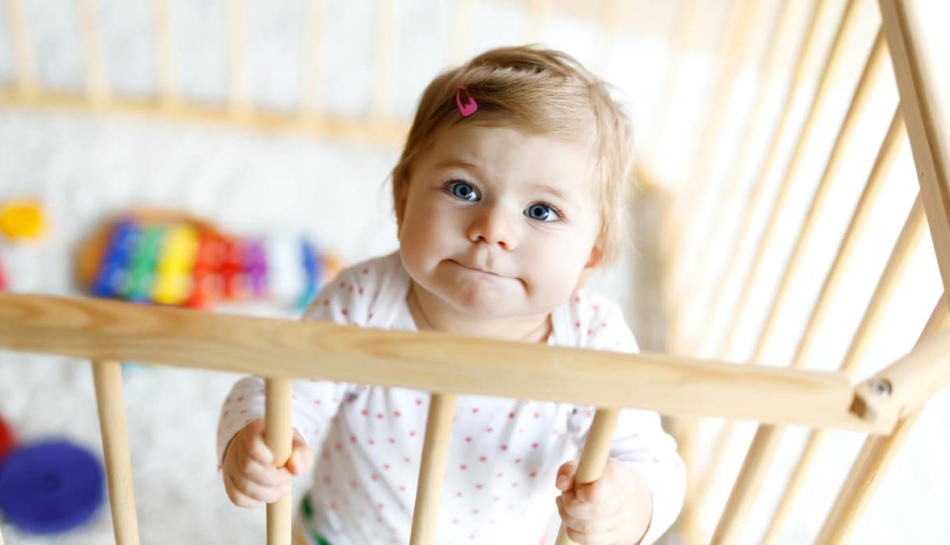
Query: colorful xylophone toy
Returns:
{"type": "Point", "coordinates": [168, 259]}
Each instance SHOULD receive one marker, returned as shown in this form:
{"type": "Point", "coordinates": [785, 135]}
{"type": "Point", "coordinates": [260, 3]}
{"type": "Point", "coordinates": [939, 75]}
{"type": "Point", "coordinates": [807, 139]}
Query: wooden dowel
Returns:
{"type": "Point", "coordinates": [107, 377]}
{"type": "Point", "coordinates": [895, 138]}
{"type": "Point", "coordinates": [613, 17]}
{"type": "Point", "coordinates": [279, 438]}
{"type": "Point", "coordinates": [882, 167]}
{"type": "Point", "coordinates": [764, 445]}
{"type": "Point", "coordinates": [239, 92]}
{"type": "Point", "coordinates": [767, 438]}
{"type": "Point", "coordinates": [166, 68]}
{"type": "Point", "coordinates": [386, 44]}
{"type": "Point", "coordinates": [313, 30]}
{"type": "Point", "coordinates": [594, 456]}
{"type": "Point", "coordinates": [816, 440]}
{"type": "Point", "coordinates": [22, 49]}
{"type": "Point", "coordinates": [97, 84]}
{"type": "Point", "coordinates": [683, 27]}
{"type": "Point", "coordinates": [462, 30]}
{"type": "Point", "coordinates": [875, 457]}
{"type": "Point", "coordinates": [836, 61]}
{"type": "Point", "coordinates": [733, 53]}
{"type": "Point", "coordinates": [872, 69]}
{"type": "Point", "coordinates": [682, 293]}
{"type": "Point", "coordinates": [435, 455]}
{"type": "Point", "coordinates": [810, 43]}
{"type": "Point", "coordinates": [538, 13]}
{"type": "Point", "coordinates": [904, 249]}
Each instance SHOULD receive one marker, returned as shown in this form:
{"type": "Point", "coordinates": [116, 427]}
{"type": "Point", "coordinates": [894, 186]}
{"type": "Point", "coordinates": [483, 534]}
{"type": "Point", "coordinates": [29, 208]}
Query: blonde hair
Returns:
{"type": "Point", "coordinates": [543, 92]}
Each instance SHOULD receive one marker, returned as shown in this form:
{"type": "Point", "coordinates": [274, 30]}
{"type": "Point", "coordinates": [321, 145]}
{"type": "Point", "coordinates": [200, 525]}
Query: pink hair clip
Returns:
{"type": "Point", "coordinates": [470, 106]}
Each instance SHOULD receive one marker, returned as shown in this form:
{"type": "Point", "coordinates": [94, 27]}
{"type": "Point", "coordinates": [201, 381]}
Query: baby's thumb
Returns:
{"type": "Point", "coordinates": [565, 475]}
{"type": "Point", "coordinates": [300, 458]}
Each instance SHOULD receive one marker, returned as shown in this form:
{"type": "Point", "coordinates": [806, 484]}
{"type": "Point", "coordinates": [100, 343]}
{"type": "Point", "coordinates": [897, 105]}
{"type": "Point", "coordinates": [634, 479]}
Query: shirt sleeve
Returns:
{"type": "Point", "coordinates": [314, 403]}
{"type": "Point", "coordinates": [639, 440]}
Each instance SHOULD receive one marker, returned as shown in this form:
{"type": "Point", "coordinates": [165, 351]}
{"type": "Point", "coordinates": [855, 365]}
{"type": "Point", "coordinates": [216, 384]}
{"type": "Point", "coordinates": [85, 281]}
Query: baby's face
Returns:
{"type": "Point", "coordinates": [498, 222]}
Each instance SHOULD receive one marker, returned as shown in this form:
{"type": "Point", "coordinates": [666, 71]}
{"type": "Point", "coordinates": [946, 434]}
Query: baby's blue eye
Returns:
{"type": "Point", "coordinates": [542, 212]}
{"type": "Point", "coordinates": [464, 191]}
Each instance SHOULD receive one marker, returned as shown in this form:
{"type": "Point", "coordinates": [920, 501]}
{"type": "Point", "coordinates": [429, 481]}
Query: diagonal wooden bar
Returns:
{"type": "Point", "coordinates": [836, 61]}
{"type": "Point", "coordinates": [107, 376]}
{"type": "Point", "coordinates": [896, 136]}
{"type": "Point", "coordinates": [925, 111]}
{"type": "Point", "coordinates": [871, 465]}
{"type": "Point", "coordinates": [731, 54]}
{"type": "Point", "coordinates": [767, 438]}
{"type": "Point", "coordinates": [680, 295]}
{"type": "Point", "coordinates": [99, 329]}
{"type": "Point", "coordinates": [872, 70]}
{"type": "Point", "coordinates": [758, 188]}
{"type": "Point", "coordinates": [22, 50]}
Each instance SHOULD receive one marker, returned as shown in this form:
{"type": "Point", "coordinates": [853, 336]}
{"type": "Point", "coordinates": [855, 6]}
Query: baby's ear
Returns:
{"type": "Point", "coordinates": [593, 262]}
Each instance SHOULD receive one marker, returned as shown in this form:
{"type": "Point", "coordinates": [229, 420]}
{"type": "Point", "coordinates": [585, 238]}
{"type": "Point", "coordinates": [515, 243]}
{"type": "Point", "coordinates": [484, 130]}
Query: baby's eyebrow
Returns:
{"type": "Point", "coordinates": [547, 188]}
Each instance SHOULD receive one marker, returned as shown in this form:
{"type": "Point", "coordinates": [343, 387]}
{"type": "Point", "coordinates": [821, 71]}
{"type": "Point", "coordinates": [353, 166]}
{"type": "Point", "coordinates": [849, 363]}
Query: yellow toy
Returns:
{"type": "Point", "coordinates": [22, 220]}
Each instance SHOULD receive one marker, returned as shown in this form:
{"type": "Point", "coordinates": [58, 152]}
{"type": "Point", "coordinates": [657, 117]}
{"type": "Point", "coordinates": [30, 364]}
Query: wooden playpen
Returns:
{"type": "Point", "coordinates": [684, 387]}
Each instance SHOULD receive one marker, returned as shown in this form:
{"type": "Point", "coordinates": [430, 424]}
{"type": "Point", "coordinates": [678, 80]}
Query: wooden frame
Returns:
{"type": "Point", "coordinates": [884, 405]}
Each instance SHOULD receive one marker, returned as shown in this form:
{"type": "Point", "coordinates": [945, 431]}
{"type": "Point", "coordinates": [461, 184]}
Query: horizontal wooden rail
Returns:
{"type": "Point", "coordinates": [326, 126]}
{"type": "Point", "coordinates": [100, 330]}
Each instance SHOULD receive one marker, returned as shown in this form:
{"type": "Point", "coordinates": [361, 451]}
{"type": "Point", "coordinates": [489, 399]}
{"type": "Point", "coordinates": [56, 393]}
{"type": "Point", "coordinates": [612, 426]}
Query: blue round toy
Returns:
{"type": "Point", "coordinates": [50, 487]}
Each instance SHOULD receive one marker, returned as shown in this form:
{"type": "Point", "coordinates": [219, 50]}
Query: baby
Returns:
{"type": "Point", "coordinates": [508, 196]}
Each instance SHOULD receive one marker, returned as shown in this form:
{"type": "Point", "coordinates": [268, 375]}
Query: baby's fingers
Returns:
{"type": "Point", "coordinates": [254, 444]}
{"type": "Point", "coordinates": [300, 459]}
{"type": "Point", "coordinates": [246, 493]}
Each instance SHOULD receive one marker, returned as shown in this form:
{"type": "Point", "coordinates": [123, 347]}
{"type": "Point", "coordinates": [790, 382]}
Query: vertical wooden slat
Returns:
{"type": "Point", "coordinates": [875, 457]}
{"type": "Point", "coordinates": [836, 61]}
{"type": "Point", "coordinates": [872, 69]}
{"type": "Point", "coordinates": [929, 134]}
{"type": "Point", "coordinates": [313, 29]}
{"type": "Point", "coordinates": [732, 55]}
{"type": "Point", "coordinates": [809, 46]}
{"type": "Point", "coordinates": [239, 92]}
{"type": "Point", "coordinates": [97, 84]}
{"type": "Point", "coordinates": [279, 438]}
{"type": "Point", "coordinates": [538, 13]}
{"type": "Point", "coordinates": [462, 30]}
{"type": "Point", "coordinates": [613, 16]}
{"type": "Point", "coordinates": [386, 40]}
{"type": "Point", "coordinates": [107, 377]}
{"type": "Point", "coordinates": [435, 454]}
{"type": "Point", "coordinates": [22, 50]}
{"type": "Point", "coordinates": [165, 66]}
{"type": "Point", "coordinates": [594, 457]}
{"type": "Point", "coordinates": [767, 438]}
{"type": "Point", "coordinates": [882, 166]}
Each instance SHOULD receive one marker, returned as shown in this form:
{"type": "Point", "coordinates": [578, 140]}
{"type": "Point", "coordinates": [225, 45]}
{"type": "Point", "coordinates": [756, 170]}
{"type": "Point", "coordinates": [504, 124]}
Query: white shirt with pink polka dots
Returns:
{"type": "Point", "coordinates": [504, 453]}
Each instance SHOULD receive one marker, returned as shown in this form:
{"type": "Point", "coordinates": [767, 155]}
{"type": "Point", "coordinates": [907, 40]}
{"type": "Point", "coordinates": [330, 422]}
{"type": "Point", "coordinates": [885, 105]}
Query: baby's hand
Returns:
{"type": "Point", "coordinates": [250, 476]}
{"type": "Point", "coordinates": [613, 510]}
